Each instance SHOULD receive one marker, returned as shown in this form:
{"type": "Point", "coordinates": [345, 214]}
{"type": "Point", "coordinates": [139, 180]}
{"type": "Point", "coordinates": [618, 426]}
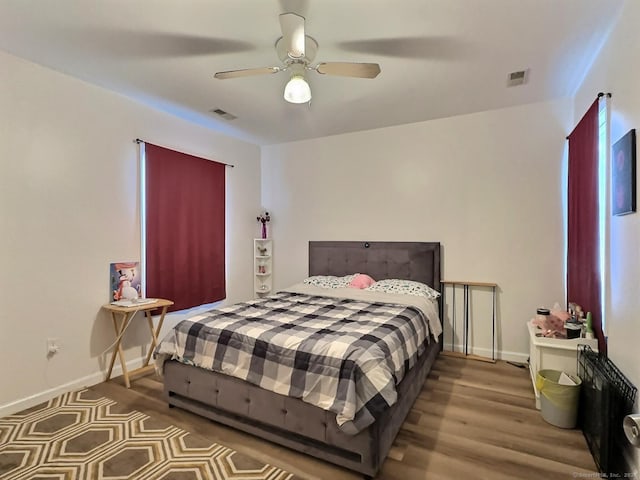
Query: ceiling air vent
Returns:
{"type": "Point", "coordinates": [223, 114]}
{"type": "Point", "coordinates": [517, 78]}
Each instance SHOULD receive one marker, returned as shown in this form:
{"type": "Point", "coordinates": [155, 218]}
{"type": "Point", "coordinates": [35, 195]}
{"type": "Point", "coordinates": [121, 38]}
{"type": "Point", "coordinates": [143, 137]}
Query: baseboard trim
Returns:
{"type": "Point", "coordinates": [89, 380]}
{"type": "Point", "coordinates": [486, 352]}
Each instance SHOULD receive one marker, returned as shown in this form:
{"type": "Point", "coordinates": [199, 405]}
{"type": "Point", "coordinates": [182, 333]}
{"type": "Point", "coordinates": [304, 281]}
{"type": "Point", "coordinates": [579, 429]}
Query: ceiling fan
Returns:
{"type": "Point", "coordinates": [297, 51]}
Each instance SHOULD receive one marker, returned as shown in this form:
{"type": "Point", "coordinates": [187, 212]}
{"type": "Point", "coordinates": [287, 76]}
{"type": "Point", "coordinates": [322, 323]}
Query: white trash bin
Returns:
{"type": "Point", "coordinates": [559, 397]}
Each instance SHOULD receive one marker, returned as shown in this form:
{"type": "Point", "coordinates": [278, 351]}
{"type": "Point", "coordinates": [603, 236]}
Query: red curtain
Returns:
{"type": "Point", "coordinates": [185, 228]}
{"type": "Point", "coordinates": [583, 263]}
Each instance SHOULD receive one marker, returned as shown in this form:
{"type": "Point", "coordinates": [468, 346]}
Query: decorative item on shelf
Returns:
{"type": "Point", "coordinates": [264, 218]}
{"type": "Point", "coordinates": [262, 251]}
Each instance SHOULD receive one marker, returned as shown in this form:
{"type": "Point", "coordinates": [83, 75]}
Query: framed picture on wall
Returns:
{"type": "Point", "coordinates": [623, 174]}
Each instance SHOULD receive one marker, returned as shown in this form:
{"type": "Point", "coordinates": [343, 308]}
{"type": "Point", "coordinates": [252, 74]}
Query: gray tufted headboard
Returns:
{"type": "Point", "coordinates": [419, 261]}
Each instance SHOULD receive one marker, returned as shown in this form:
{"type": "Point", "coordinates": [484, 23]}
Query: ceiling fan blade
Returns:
{"type": "Point", "coordinates": [246, 73]}
{"type": "Point", "coordinates": [432, 47]}
{"type": "Point", "coordinates": [348, 69]}
{"type": "Point", "coordinates": [292, 26]}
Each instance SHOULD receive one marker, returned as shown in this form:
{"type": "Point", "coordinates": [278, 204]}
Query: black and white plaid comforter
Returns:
{"type": "Point", "coordinates": [343, 355]}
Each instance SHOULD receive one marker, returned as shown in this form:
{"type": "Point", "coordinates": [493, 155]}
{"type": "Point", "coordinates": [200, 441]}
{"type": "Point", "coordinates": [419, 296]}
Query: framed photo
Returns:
{"type": "Point", "coordinates": [623, 175]}
{"type": "Point", "coordinates": [124, 278]}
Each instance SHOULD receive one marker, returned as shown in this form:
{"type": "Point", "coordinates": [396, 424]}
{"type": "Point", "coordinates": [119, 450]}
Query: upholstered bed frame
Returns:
{"type": "Point", "coordinates": [292, 422]}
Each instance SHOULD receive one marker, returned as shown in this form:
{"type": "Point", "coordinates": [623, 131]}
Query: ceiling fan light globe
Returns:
{"type": "Point", "coordinates": [297, 90]}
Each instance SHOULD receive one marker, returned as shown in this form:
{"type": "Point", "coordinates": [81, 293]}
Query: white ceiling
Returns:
{"type": "Point", "coordinates": [438, 57]}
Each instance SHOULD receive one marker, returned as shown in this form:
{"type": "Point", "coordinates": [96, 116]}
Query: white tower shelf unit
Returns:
{"type": "Point", "coordinates": [262, 266]}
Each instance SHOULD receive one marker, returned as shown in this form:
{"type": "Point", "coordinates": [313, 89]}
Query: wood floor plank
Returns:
{"type": "Point", "coordinates": [499, 419]}
{"type": "Point", "coordinates": [513, 439]}
{"type": "Point", "coordinates": [469, 391]}
{"type": "Point", "coordinates": [467, 458]}
{"type": "Point", "coordinates": [472, 420]}
{"type": "Point", "coordinates": [511, 384]}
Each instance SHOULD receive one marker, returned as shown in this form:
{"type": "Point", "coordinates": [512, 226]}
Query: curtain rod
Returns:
{"type": "Point", "coordinates": [139, 141]}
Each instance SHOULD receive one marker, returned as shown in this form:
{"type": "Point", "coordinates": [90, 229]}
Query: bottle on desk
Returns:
{"type": "Point", "coordinates": [589, 326]}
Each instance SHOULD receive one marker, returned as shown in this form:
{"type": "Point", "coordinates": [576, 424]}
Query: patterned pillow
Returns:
{"type": "Point", "coordinates": [406, 287]}
{"type": "Point", "coordinates": [330, 281]}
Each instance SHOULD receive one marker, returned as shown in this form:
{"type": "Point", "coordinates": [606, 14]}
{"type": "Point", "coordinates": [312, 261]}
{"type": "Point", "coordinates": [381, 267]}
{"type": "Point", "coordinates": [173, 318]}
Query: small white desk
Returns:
{"type": "Point", "coordinates": [553, 353]}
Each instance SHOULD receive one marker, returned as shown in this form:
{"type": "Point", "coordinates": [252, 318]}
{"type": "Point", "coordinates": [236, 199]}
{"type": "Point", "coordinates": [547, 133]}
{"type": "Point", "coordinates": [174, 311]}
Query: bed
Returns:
{"type": "Point", "coordinates": [293, 422]}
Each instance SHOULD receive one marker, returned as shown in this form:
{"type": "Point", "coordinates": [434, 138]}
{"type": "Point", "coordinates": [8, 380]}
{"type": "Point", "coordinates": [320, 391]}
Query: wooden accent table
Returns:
{"type": "Point", "coordinates": [121, 317]}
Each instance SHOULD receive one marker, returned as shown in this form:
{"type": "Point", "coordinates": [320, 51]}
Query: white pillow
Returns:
{"type": "Point", "coordinates": [329, 281]}
{"type": "Point", "coordinates": [406, 287]}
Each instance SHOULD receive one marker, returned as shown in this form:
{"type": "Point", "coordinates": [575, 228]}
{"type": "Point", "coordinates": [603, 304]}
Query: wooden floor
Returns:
{"type": "Point", "coordinates": [472, 420]}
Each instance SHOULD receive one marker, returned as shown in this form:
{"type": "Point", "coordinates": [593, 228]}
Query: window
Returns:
{"type": "Point", "coordinates": [603, 195]}
{"type": "Point", "coordinates": [585, 222]}
{"type": "Point", "coordinates": [183, 227]}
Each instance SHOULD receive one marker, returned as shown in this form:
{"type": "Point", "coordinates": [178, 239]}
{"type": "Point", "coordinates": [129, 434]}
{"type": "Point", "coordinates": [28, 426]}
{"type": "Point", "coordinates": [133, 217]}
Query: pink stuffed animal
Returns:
{"type": "Point", "coordinates": [362, 281]}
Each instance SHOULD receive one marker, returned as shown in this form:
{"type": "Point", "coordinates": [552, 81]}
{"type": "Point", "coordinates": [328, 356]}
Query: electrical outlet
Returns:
{"type": "Point", "coordinates": [53, 346]}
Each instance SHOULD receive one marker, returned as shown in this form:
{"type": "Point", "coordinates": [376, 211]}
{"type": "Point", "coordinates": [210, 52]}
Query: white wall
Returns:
{"type": "Point", "coordinates": [487, 186]}
{"type": "Point", "coordinates": [69, 207]}
{"type": "Point", "coordinates": [616, 71]}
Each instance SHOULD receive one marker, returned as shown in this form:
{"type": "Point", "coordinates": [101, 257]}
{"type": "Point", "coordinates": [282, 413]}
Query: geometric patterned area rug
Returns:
{"type": "Point", "coordinates": [83, 436]}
